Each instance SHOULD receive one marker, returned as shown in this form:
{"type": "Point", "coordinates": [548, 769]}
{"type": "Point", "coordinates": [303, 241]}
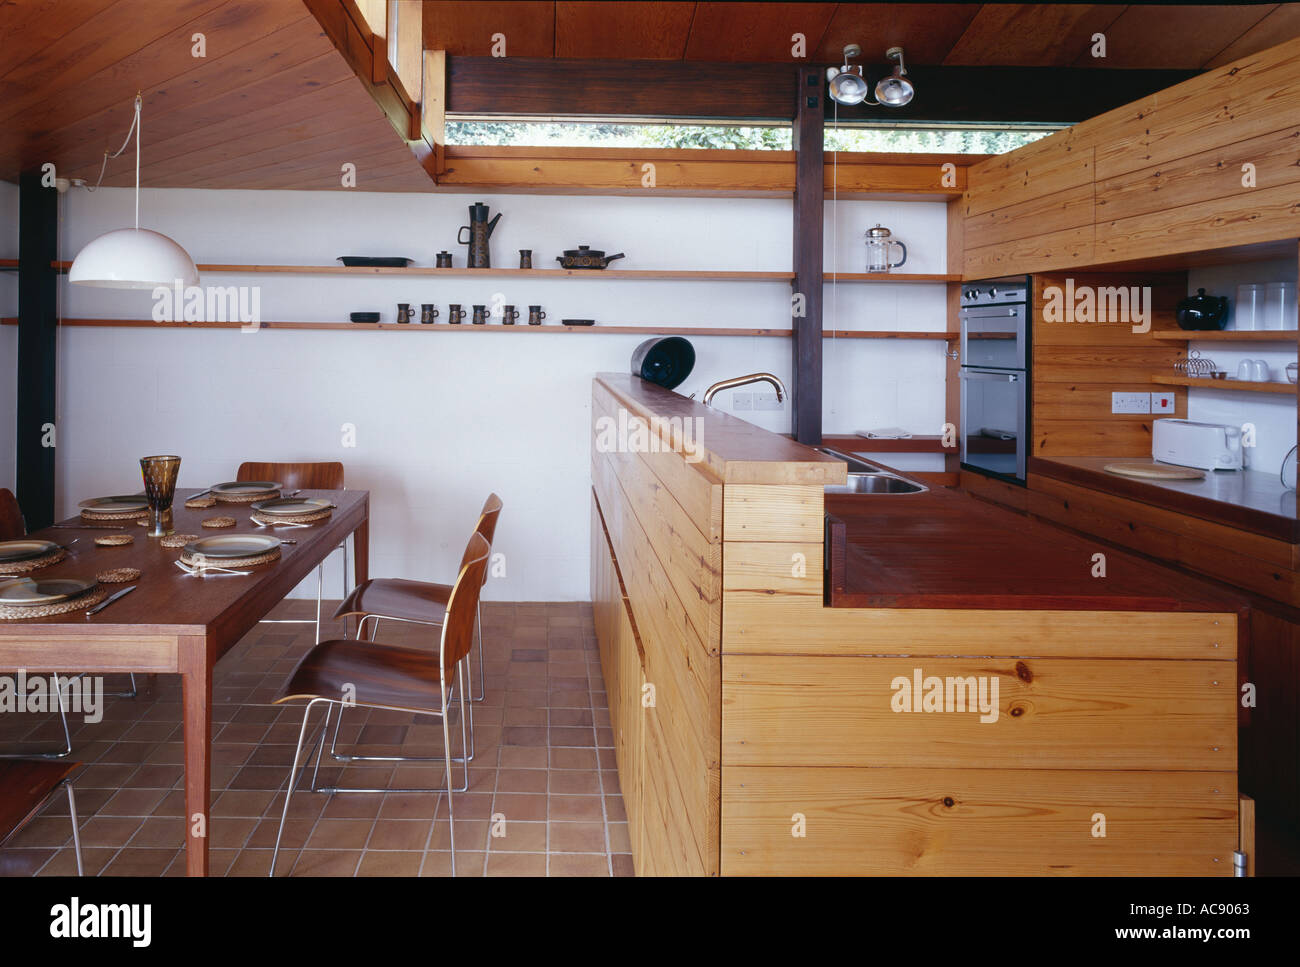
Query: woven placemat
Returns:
{"type": "Point", "coordinates": [87, 600]}
{"type": "Point", "coordinates": [133, 515]}
{"type": "Point", "coordinates": [218, 522]}
{"type": "Point", "coordinates": [178, 540]}
{"type": "Point", "coordinates": [114, 540]}
{"type": "Point", "coordinates": [9, 568]}
{"type": "Point", "coordinates": [118, 575]}
{"type": "Point", "coordinates": [200, 503]}
{"type": "Point", "coordinates": [262, 518]}
{"type": "Point", "coordinates": [246, 498]}
{"type": "Point", "coordinates": [202, 560]}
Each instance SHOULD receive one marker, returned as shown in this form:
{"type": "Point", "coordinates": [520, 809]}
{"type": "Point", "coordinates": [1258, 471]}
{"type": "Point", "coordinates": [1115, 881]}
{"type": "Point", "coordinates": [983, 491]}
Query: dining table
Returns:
{"type": "Point", "coordinates": [175, 622]}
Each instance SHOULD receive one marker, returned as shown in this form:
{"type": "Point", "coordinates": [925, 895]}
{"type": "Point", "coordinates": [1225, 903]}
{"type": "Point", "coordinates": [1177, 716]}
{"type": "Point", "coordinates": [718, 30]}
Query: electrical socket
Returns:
{"type": "Point", "coordinates": [742, 401]}
{"type": "Point", "coordinates": [1162, 403]}
{"type": "Point", "coordinates": [767, 401]}
{"type": "Point", "coordinates": [1130, 402]}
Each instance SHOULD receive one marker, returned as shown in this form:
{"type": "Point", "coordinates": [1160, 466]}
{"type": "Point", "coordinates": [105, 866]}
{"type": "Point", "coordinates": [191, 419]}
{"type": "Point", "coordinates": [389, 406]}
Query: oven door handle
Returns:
{"type": "Point", "coordinates": [999, 377]}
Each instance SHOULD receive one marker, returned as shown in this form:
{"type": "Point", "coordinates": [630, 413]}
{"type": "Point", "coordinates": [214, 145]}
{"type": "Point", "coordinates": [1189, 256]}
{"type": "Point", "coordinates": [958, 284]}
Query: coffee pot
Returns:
{"type": "Point", "coordinates": [879, 241]}
{"type": "Point", "coordinates": [480, 230]}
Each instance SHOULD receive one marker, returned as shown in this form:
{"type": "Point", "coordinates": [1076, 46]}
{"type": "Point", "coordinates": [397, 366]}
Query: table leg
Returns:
{"type": "Point", "coordinates": [361, 557]}
{"type": "Point", "coordinates": [195, 663]}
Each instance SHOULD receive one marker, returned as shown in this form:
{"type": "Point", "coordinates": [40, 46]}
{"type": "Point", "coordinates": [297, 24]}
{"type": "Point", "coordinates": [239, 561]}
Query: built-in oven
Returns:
{"type": "Point", "coordinates": [994, 411]}
{"type": "Point", "coordinates": [995, 356]}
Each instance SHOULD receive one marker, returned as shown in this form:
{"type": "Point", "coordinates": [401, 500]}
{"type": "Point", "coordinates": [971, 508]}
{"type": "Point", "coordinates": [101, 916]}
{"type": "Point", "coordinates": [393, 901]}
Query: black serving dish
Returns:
{"type": "Point", "coordinates": [364, 317]}
{"type": "Point", "coordinates": [578, 322]}
{"type": "Point", "coordinates": [381, 262]}
{"type": "Point", "coordinates": [1202, 312]}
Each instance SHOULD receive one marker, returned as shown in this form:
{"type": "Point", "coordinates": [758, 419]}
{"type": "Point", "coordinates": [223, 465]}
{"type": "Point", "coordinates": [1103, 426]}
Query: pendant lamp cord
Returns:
{"type": "Point", "coordinates": [135, 130]}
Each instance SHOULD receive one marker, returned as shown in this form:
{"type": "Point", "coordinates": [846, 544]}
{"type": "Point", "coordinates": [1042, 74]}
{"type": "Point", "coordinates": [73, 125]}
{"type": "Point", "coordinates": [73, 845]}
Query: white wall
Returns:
{"type": "Point", "coordinates": [443, 418]}
{"type": "Point", "coordinates": [8, 334]}
{"type": "Point", "coordinates": [1274, 415]}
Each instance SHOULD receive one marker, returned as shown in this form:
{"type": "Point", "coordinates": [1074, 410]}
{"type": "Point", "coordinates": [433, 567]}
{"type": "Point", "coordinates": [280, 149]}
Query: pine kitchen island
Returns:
{"type": "Point", "coordinates": [891, 683]}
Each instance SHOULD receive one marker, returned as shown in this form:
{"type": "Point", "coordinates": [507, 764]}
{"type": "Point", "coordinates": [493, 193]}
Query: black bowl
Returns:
{"type": "Point", "coordinates": [664, 360]}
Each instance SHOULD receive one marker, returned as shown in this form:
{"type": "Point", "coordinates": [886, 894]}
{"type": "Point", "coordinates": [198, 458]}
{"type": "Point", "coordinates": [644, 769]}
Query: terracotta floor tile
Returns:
{"type": "Point", "coordinates": [468, 863]}
{"type": "Point", "coordinates": [140, 862]}
{"type": "Point", "coordinates": [406, 863]}
{"type": "Point", "coordinates": [579, 864]}
{"type": "Point", "coordinates": [568, 837]}
{"type": "Point", "coordinates": [521, 780]}
{"type": "Point", "coordinates": [573, 782]}
{"type": "Point", "coordinates": [340, 834]}
{"type": "Point", "coordinates": [520, 807]}
{"type": "Point", "coordinates": [400, 834]}
{"type": "Point", "coordinates": [587, 808]}
{"type": "Point", "coordinates": [516, 864]}
{"type": "Point", "coordinates": [327, 862]}
{"type": "Point", "coordinates": [520, 837]}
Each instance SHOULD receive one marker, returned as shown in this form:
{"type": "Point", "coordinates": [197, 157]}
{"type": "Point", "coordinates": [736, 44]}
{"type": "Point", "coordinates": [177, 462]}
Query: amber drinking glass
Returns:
{"type": "Point", "coordinates": [159, 474]}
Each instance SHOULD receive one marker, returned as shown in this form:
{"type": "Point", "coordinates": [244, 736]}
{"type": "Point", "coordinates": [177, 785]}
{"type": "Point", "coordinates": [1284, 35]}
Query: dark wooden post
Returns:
{"type": "Point", "coordinates": [809, 195]}
{"type": "Point", "coordinates": [38, 214]}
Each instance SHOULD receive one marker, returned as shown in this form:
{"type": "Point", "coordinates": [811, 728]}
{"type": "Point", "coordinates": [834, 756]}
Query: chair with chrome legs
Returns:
{"type": "Point", "coordinates": [302, 476]}
{"type": "Point", "coordinates": [12, 527]}
{"type": "Point", "coordinates": [26, 786]}
{"type": "Point", "coordinates": [418, 602]}
{"type": "Point", "coordinates": [388, 677]}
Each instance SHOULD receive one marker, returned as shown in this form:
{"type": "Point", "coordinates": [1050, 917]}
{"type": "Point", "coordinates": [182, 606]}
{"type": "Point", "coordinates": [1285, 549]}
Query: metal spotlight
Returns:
{"type": "Point", "coordinates": [895, 90]}
{"type": "Point", "coordinates": [847, 85]}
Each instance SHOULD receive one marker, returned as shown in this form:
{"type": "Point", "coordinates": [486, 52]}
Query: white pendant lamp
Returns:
{"type": "Point", "coordinates": [132, 258]}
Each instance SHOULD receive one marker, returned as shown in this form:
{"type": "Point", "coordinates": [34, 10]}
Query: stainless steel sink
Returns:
{"type": "Point", "coordinates": [867, 478]}
{"type": "Point", "coordinates": [875, 483]}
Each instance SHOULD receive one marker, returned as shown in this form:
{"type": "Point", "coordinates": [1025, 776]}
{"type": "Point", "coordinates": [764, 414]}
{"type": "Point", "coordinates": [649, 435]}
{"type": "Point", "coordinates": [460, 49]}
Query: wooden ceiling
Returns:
{"type": "Point", "coordinates": [1183, 36]}
{"type": "Point", "coordinates": [272, 105]}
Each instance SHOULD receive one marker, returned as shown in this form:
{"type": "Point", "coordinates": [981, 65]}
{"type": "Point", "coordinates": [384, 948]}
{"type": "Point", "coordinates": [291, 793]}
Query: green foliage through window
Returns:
{"type": "Point", "coordinates": [569, 134]}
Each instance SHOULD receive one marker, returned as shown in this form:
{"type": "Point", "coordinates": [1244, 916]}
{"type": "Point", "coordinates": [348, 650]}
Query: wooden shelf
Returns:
{"type": "Point", "coordinates": [1225, 384]}
{"type": "Point", "coordinates": [889, 277]}
{"type": "Point", "coordinates": [886, 334]}
{"type": "Point", "coordinates": [912, 444]}
{"type": "Point", "coordinates": [8, 263]}
{"type": "Point", "coordinates": [1229, 335]}
{"type": "Point", "coordinates": [645, 275]}
{"type": "Point", "coordinates": [498, 327]}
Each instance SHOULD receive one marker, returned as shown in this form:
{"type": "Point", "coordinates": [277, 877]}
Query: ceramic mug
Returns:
{"type": "Point", "coordinates": [508, 315]}
{"type": "Point", "coordinates": [480, 316]}
{"type": "Point", "coordinates": [525, 258]}
{"type": "Point", "coordinates": [1259, 370]}
{"type": "Point", "coordinates": [455, 314]}
{"type": "Point", "coordinates": [1246, 371]}
{"type": "Point", "coordinates": [535, 315]}
{"type": "Point", "coordinates": [403, 312]}
{"type": "Point", "coordinates": [428, 312]}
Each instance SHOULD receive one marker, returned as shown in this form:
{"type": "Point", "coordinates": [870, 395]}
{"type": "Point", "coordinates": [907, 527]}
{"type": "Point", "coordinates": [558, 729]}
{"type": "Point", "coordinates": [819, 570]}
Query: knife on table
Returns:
{"type": "Point", "coordinates": [109, 600]}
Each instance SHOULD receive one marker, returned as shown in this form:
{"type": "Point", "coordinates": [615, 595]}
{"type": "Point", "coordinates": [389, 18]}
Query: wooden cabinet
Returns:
{"type": "Point", "coordinates": [1161, 176]}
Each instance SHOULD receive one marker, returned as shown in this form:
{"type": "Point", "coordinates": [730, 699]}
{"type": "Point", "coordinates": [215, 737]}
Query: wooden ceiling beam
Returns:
{"type": "Point", "coordinates": [619, 88]}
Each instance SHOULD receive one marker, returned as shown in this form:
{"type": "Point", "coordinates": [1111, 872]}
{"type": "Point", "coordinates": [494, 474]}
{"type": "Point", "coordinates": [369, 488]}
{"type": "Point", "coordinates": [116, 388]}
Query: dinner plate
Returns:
{"type": "Point", "coordinates": [122, 504]}
{"type": "Point", "coordinates": [25, 549]}
{"type": "Point", "coordinates": [230, 546]}
{"type": "Point", "coordinates": [244, 488]}
{"type": "Point", "coordinates": [291, 506]}
{"type": "Point", "coordinates": [31, 592]}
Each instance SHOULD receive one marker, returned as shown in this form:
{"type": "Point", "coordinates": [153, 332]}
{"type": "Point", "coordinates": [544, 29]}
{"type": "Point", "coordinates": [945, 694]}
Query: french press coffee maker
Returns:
{"type": "Point", "coordinates": [879, 241]}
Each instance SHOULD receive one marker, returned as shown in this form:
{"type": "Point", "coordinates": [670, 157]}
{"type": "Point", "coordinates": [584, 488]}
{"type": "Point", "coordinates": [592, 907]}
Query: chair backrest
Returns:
{"type": "Point", "coordinates": [487, 525]}
{"type": "Point", "coordinates": [462, 606]}
{"type": "Point", "coordinates": [295, 476]}
{"type": "Point", "coordinates": [11, 517]}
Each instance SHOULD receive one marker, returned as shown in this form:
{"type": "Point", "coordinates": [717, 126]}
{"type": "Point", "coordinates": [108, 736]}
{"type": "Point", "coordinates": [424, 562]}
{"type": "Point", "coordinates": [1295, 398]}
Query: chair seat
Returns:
{"type": "Point", "coordinates": [25, 784]}
{"type": "Point", "coordinates": [398, 598]}
{"type": "Point", "coordinates": [373, 674]}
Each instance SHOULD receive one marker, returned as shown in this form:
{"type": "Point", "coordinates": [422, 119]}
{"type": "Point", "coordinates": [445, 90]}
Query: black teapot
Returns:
{"type": "Point", "coordinates": [1202, 311]}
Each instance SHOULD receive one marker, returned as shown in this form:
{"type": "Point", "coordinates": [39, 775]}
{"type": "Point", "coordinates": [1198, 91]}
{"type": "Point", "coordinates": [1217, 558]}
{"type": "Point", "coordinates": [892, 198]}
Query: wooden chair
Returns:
{"type": "Point", "coordinates": [11, 517]}
{"type": "Point", "coordinates": [302, 476]}
{"type": "Point", "coordinates": [417, 602]}
{"type": "Point", "coordinates": [349, 671]}
{"type": "Point", "coordinates": [26, 785]}
{"type": "Point", "coordinates": [12, 527]}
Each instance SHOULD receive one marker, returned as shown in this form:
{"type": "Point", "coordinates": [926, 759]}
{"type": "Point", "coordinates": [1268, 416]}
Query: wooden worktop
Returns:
{"type": "Point", "coordinates": [736, 451]}
{"type": "Point", "coordinates": [946, 549]}
{"type": "Point", "coordinates": [1248, 500]}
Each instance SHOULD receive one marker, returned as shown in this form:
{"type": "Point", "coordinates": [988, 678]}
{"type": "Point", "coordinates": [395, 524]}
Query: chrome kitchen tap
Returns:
{"type": "Point", "coordinates": [735, 381]}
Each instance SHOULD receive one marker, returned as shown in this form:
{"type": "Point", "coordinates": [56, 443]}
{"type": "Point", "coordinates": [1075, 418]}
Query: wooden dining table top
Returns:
{"type": "Point", "coordinates": [168, 601]}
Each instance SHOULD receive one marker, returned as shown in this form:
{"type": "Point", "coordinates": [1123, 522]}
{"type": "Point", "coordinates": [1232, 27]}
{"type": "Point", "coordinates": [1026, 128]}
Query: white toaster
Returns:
{"type": "Point", "coordinates": [1206, 446]}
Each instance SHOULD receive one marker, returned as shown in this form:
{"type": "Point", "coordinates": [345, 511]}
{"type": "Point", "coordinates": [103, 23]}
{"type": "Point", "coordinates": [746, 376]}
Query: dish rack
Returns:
{"type": "Point", "coordinates": [1195, 365]}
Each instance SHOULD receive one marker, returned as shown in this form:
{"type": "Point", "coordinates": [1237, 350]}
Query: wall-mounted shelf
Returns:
{"type": "Point", "coordinates": [889, 277]}
{"type": "Point", "coordinates": [644, 275]}
{"type": "Point", "coordinates": [1229, 335]}
{"type": "Point", "coordinates": [861, 444]}
{"type": "Point", "coordinates": [1225, 384]}
{"type": "Point", "coordinates": [8, 264]}
{"type": "Point", "coordinates": [498, 327]}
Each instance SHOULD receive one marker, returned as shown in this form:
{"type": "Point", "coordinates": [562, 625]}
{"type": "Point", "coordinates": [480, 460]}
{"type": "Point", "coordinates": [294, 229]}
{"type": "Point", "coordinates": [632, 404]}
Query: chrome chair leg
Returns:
{"type": "Point", "coordinates": [292, 782]}
{"type": "Point", "coordinates": [478, 641]}
{"type": "Point", "coordinates": [76, 833]}
{"type": "Point", "coordinates": [67, 734]}
{"type": "Point", "coordinates": [446, 748]}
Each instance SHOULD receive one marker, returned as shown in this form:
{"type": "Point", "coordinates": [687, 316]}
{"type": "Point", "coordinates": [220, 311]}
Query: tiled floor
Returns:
{"type": "Point", "coordinates": [543, 772]}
